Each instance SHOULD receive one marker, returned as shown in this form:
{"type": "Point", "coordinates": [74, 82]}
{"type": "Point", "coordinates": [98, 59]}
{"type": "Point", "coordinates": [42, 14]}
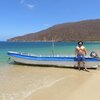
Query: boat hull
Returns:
{"type": "Point", "coordinates": [55, 61]}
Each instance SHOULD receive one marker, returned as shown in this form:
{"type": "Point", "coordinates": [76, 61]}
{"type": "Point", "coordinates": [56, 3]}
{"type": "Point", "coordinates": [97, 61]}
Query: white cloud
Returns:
{"type": "Point", "coordinates": [30, 6]}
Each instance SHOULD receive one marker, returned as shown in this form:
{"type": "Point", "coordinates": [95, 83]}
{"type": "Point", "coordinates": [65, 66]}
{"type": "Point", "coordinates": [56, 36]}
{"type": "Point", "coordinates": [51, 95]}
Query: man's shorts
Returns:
{"type": "Point", "coordinates": [80, 58]}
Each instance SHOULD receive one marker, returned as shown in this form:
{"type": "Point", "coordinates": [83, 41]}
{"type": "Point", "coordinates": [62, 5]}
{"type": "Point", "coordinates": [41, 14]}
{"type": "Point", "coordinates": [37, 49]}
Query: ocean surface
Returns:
{"type": "Point", "coordinates": [17, 82]}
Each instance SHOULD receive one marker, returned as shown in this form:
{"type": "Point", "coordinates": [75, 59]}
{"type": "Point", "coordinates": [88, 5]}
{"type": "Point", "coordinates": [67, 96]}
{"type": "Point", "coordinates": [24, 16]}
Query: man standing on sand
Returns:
{"type": "Point", "coordinates": [80, 52]}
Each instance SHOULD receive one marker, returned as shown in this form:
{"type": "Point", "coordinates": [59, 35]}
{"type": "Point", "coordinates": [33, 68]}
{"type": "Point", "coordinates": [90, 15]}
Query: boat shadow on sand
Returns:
{"type": "Point", "coordinates": [54, 66]}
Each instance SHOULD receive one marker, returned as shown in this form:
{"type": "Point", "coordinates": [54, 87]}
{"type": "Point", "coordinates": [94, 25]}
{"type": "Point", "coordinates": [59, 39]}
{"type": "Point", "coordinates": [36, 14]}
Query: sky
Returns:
{"type": "Point", "coordinates": [20, 17]}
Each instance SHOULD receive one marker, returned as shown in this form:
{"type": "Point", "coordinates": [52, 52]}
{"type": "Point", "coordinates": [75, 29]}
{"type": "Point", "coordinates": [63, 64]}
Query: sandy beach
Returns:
{"type": "Point", "coordinates": [48, 83]}
{"type": "Point", "coordinates": [75, 85]}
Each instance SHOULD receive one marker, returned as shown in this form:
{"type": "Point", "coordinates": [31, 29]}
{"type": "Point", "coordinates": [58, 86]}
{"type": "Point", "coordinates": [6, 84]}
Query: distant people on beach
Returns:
{"type": "Point", "coordinates": [80, 52]}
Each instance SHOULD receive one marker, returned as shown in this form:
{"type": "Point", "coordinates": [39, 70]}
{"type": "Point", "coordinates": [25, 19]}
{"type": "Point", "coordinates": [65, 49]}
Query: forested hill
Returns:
{"type": "Point", "coordinates": [87, 30]}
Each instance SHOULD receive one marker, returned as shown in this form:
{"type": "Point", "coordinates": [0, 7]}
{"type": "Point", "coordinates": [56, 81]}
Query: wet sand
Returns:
{"type": "Point", "coordinates": [20, 82]}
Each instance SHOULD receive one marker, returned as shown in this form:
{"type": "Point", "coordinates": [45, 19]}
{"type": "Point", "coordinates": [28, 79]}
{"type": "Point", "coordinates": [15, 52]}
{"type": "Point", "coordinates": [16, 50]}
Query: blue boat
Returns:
{"type": "Point", "coordinates": [67, 61]}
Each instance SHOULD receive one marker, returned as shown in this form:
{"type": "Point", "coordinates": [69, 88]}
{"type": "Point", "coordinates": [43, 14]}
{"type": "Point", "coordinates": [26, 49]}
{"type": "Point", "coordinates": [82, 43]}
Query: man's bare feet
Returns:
{"type": "Point", "coordinates": [79, 68]}
{"type": "Point", "coordinates": [86, 70]}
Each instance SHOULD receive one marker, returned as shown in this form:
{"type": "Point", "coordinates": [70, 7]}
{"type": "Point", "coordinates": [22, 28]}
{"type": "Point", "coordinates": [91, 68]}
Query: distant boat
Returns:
{"type": "Point", "coordinates": [66, 61]}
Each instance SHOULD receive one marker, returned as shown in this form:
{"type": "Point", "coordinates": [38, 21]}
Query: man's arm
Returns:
{"type": "Point", "coordinates": [85, 51]}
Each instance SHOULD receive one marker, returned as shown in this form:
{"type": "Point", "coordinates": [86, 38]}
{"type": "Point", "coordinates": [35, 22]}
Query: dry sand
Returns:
{"type": "Point", "coordinates": [19, 82]}
{"type": "Point", "coordinates": [74, 85]}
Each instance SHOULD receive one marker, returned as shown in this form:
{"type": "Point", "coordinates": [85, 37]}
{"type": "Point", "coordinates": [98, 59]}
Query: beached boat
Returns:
{"type": "Point", "coordinates": [67, 61]}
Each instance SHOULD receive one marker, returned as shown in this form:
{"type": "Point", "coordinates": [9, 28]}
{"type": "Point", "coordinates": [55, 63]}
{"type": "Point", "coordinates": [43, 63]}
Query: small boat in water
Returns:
{"type": "Point", "coordinates": [66, 61]}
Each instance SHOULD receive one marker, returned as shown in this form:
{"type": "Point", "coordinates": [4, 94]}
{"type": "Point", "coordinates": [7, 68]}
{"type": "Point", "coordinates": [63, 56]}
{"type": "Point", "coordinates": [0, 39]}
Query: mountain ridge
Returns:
{"type": "Point", "coordinates": [86, 30]}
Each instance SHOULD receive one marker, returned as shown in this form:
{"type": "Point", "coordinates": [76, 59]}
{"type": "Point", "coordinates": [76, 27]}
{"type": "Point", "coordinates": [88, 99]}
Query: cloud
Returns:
{"type": "Point", "coordinates": [30, 6]}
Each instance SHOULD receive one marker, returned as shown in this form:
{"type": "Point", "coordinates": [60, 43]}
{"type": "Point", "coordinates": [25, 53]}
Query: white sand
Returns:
{"type": "Point", "coordinates": [19, 82]}
{"type": "Point", "coordinates": [75, 85]}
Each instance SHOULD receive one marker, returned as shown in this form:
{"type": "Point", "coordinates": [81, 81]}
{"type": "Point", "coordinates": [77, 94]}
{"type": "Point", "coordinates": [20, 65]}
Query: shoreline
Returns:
{"type": "Point", "coordinates": [23, 82]}
{"type": "Point", "coordinates": [53, 41]}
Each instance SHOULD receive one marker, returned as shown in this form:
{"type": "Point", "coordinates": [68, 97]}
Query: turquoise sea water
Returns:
{"type": "Point", "coordinates": [43, 48]}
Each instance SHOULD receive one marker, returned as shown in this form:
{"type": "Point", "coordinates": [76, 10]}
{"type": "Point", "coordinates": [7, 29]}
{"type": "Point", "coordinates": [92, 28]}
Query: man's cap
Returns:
{"type": "Point", "coordinates": [80, 43]}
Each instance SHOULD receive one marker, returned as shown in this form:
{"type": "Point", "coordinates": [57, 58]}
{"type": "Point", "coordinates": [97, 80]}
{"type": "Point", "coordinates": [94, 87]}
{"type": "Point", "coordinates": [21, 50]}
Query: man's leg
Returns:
{"type": "Point", "coordinates": [84, 65]}
{"type": "Point", "coordinates": [79, 65]}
